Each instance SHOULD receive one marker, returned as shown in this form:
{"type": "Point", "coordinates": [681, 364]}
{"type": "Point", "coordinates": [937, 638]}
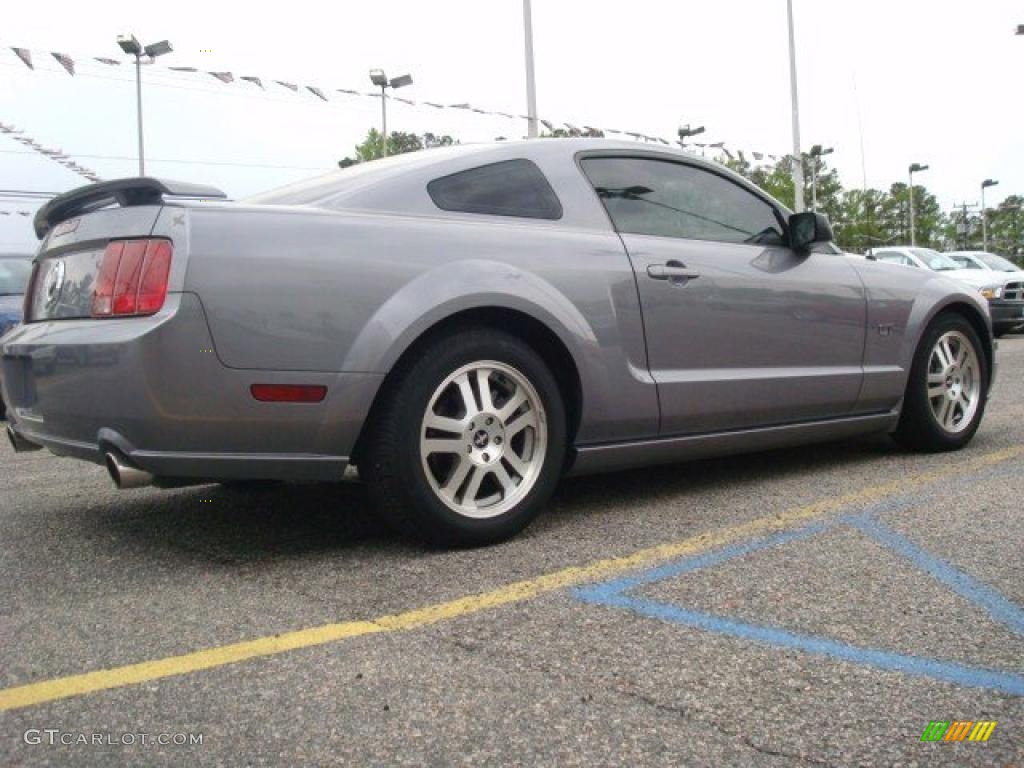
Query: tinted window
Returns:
{"type": "Point", "coordinates": [659, 197]}
{"type": "Point", "coordinates": [508, 188]}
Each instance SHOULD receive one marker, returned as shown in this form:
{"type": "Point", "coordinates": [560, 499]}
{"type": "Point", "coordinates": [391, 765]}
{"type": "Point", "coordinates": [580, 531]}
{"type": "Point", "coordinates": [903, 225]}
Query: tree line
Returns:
{"type": "Point", "coordinates": [861, 218]}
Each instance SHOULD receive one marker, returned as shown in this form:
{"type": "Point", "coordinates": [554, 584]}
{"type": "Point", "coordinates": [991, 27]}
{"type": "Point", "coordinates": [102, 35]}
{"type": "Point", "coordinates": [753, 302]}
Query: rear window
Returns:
{"type": "Point", "coordinates": [509, 188]}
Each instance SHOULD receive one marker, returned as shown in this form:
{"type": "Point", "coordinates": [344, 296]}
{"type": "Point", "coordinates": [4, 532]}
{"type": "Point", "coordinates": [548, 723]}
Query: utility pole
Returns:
{"type": "Point", "coordinates": [984, 214]}
{"type": "Point", "coordinates": [531, 85]}
{"type": "Point", "coordinates": [798, 168]}
{"type": "Point", "coordinates": [965, 224]}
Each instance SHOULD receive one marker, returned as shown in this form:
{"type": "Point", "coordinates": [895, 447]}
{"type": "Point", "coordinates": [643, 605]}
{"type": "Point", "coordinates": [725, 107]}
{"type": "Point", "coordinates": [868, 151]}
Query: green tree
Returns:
{"type": "Point", "coordinates": [399, 142]}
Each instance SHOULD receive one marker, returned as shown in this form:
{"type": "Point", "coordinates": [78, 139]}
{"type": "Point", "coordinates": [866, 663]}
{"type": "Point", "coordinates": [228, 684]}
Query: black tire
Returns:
{"type": "Point", "coordinates": [918, 427]}
{"type": "Point", "coordinates": [392, 464]}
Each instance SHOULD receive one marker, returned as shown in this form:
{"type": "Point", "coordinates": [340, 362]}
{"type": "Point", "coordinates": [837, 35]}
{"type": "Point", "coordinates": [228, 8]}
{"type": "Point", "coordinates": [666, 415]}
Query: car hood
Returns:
{"type": "Point", "coordinates": [976, 278]}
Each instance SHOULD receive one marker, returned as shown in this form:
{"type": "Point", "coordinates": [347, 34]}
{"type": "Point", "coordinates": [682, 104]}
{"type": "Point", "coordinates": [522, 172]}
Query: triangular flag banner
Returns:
{"type": "Point", "coordinates": [25, 55]}
{"type": "Point", "coordinates": [184, 69]}
{"type": "Point", "coordinates": [108, 62]}
{"type": "Point", "coordinates": [66, 62]}
{"type": "Point", "coordinates": [348, 90]}
{"type": "Point", "coordinates": [291, 86]}
{"type": "Point", "coordinates": [316, 92]}
{"type": "Point", "coordinates": [224, 77]}
{"type": "Point", "coordinates": [251, 79]}
{"type": "Point", "coordinates": [547, 124]}
{"type": "Point", "coordinates": [459, 106]}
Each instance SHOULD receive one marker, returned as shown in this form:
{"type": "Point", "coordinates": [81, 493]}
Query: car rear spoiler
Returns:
{"type": "Point", "coordinates": [124, 192]}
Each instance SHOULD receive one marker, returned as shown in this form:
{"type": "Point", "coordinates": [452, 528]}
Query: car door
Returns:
{"type": "Point", "coordinates": [741, 331]}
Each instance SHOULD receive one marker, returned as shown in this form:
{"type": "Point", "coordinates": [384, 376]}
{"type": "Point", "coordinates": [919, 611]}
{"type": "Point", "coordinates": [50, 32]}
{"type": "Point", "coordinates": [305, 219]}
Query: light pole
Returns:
{"type": "Point", "coordinates": [914, 168]}
{"type": "Point", "coordinates": [133, 47]}
{"type": "Point", "coordinates": [531, 84]}
{"type": "Point", "coordinates": [984, 213]}
{"type": "Point", "coordinates": [686, 132]}
{"type": "Point", "coordinates": [377, 77]}
{"type": "Point", "coordinates": [817, 151]}
{"type": "Point", "coordinates": [798, 168]}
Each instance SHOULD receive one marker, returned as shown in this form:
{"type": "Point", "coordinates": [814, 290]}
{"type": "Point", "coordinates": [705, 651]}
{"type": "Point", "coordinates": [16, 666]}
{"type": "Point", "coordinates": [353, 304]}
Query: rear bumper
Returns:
{"type": "Point", "coordinates": [154, 389]}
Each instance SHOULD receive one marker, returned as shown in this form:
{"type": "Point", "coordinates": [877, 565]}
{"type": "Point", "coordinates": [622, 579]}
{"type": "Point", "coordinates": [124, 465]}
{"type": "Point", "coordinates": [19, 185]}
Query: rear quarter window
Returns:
{"type": "Point", "coordinates": [509, 188]}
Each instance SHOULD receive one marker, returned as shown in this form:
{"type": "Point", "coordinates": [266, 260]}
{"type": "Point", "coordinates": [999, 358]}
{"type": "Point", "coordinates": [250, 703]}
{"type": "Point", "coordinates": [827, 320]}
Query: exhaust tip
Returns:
{"type": "Point", "coordinates": [124, 474]}
{"type": "Point", "coordinates": [19, 443]}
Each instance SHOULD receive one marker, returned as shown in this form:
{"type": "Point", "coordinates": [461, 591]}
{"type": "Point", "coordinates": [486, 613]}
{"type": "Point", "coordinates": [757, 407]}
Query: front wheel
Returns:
{"type": "Point", "coordinates": [469, 442]}
{"type": "Point", "coordinates": [947, 388]}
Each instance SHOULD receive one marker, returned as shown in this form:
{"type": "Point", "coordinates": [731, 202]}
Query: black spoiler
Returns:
{"type": "Point", "coordinates": [125, 192]}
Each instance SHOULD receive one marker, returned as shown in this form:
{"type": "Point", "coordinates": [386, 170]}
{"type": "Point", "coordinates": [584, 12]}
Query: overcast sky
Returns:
{"type": "Point", "coordinates": [929, 81]}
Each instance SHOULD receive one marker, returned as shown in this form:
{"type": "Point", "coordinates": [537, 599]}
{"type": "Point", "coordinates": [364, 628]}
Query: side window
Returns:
{"type": "Point", "coordinates": [508, 188]}
{"type": "Point", "coordinates": [661, 197]}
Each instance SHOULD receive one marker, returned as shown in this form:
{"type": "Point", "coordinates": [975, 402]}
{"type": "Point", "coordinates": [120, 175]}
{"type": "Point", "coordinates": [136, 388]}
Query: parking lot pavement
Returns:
{"type": "Point", "coordinates": [818, 606]}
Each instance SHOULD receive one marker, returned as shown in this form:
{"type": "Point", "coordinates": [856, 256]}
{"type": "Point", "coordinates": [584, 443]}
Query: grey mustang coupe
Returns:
{"type": "Point", "coordinates": [466, 324]}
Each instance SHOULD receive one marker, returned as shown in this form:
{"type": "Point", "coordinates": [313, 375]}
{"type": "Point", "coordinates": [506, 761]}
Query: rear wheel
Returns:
{"type": "Point", "coordinates": [947, 388]}
{"type": "Point", "coordinates": [469, 442]}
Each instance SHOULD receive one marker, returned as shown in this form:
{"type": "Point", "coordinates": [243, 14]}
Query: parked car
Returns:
{"type": "Point", "coordinates": [1003, 290]}
{"type": "Point", "coordinates": [15, 269]}
{"type": "Point", "coordinates": [1007, 301]}
{"type": "Point", "coordinates": [466, 324]}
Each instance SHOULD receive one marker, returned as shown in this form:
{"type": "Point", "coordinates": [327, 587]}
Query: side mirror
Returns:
{"type": "Point", "coordinates": [808, 228]}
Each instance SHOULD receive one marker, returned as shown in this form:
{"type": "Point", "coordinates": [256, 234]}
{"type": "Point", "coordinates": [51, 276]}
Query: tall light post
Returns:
{"type": "Point", "coordinates": [914, 168]}
{"type": "Point", "coordinates": [798, 167]}
{"type": "Point", "coordinates": [984, 213]}
{"type": "Point", "coordinates": [531, 84]}
{"type": "Point", "coordinates": [686, 132]}
{"type": "Point", "coordinates": [133, 47]}
{"type": "Point", "coordinates": [817, 152]}
{"type": "Point", "coordinates": [378, 78]}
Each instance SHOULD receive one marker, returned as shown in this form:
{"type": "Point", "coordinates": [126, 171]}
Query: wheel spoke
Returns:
{"type": "Point", "coordinates": [473, 488]}
{"type": "Point", "coordinates": [521, 422]}
{"type": "Point", "coordinates": [961, 354]}
{"type": "Point", "coordinates": [433, 445]}
{"type": "Point", "coordinates": [483, 381]}
{"type": "Point", "coordinates": [519, 466]}
{"type": "Point", "coordinates": [505, 479]}
{"type": "Point", "coordinates": [444, 423]}
{"type": "Point", "coordinates": [946, 413]}
{"type": "Point", "coordinates": [511, 406]}
{"type": "Point", "coordinates": [947, 352]}
{"type": "Point", "coordinates": [468, 400]}
{"type": "Point", "coordinates": [457, 477]}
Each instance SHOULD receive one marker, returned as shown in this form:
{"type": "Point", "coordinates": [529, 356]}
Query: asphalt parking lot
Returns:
{"type": "Point", "coordinates": [818, 606]}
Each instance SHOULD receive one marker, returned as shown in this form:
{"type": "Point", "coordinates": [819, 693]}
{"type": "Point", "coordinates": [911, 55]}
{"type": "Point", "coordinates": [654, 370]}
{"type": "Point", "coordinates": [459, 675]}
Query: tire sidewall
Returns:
{"type": "Point", "coordinates": [437, 520]}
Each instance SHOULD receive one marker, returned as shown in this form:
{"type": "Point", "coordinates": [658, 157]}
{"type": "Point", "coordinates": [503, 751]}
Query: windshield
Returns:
{"type": "Point", "coordinates": [14, 274]}
{"type": "Point", "coordinates": [998, 263]}
{"type": "Point", "coordinates": [935, 260]}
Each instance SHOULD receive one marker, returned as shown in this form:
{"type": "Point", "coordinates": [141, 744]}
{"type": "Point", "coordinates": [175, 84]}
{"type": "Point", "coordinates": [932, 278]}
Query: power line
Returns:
{"type": "Point", "coordinates": [188, 162]}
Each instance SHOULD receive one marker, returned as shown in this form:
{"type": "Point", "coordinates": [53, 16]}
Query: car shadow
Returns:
{"type": "Point", "coordinates": [223, 525]}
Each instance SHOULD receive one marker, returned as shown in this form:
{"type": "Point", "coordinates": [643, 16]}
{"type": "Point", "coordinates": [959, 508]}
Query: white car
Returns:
{"type": "Point", "coordinates": [1003, 288]}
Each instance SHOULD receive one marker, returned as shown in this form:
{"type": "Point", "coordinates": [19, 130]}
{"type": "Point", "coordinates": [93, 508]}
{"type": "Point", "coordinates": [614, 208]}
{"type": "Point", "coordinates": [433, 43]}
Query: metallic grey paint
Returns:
{"type": "Point", "coordinates": [766, 348]}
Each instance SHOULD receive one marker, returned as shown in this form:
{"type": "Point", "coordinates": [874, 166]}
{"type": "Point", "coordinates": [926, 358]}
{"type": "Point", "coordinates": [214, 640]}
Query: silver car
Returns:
{"type": "Point", "coordinates": [467, 324]}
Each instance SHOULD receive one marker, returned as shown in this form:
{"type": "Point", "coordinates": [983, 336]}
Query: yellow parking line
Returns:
{"type": "Point", "coordinates": [133, 674]}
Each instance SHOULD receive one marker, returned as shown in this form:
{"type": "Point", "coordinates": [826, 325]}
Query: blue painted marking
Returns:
{"type": "Point", "coordinates": [967, 586]}
{"type": "Point", "coordinates": [974, 677]}
{"type": "Point", "coordinates": [614, 593]}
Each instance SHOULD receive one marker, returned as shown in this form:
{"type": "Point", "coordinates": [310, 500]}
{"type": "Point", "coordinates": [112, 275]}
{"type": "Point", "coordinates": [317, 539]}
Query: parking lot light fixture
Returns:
{"type": "Point", "coordinates": [914, 168]}
{"type": "Point", "coordinates": [984, 214]}
{"type": "Point", "coordinates": [131, 46]}
{"type": "Point", "coordinates": [686, 132]}
{"type": "Point", "coordinates": [379, 78]}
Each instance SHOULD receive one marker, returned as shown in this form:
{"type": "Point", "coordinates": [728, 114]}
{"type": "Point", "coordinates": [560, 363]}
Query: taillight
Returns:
{"type": "Point", "coordinates": [133, 278]}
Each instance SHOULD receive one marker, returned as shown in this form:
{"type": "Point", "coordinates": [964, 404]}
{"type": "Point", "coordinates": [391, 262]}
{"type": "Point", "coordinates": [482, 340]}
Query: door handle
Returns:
{"type": "Point", "coordinates": [675, 271]}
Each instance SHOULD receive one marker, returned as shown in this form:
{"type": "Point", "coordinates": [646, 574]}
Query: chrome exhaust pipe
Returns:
{"type": "Point", "coordinates": [19, 443]}
{"type": "Point", "coordinates": [124, 474]}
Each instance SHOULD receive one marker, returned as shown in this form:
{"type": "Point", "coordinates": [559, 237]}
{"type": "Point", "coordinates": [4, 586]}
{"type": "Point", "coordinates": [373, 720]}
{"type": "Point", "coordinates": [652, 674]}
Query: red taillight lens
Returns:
{"type": "Point", "coordinates": [133, 278]}
{"type": "Point", "coordinates": [288, 393]}
{"type": "Point", "coordinates": [153, 286]}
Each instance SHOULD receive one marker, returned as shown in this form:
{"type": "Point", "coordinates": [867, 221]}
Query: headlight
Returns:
{"type": "Point", "coordinates": [992, 291]}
